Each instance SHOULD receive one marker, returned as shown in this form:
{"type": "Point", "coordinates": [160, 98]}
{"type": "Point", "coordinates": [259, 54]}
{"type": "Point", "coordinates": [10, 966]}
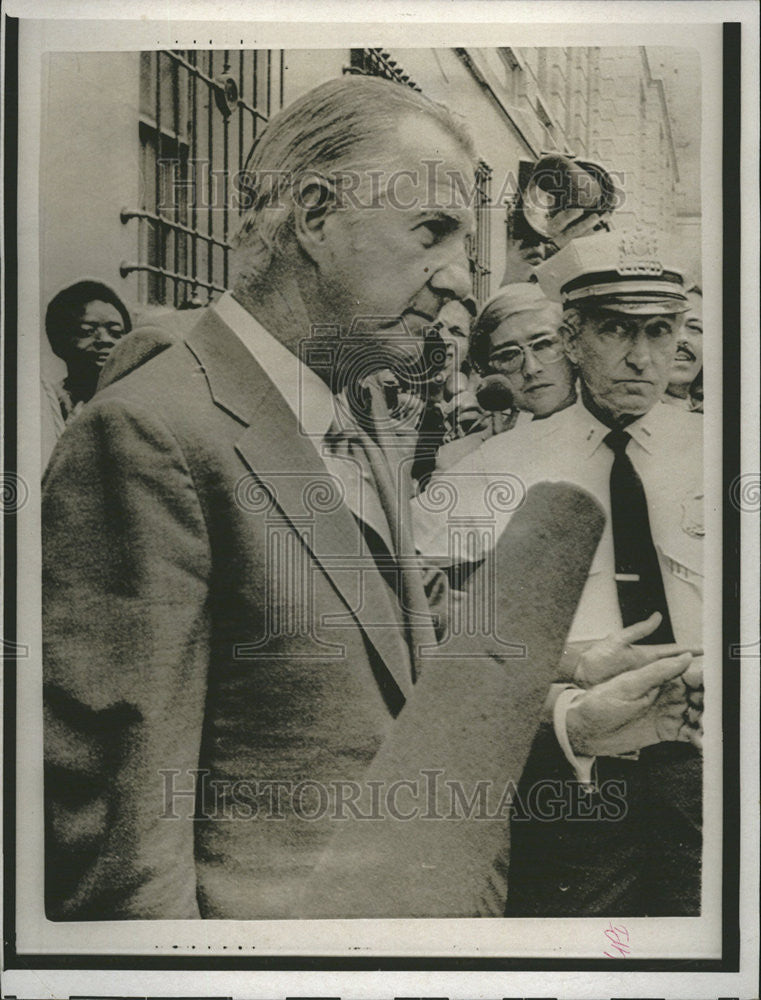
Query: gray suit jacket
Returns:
{"type": "Point", "coordinates": [223, 660]}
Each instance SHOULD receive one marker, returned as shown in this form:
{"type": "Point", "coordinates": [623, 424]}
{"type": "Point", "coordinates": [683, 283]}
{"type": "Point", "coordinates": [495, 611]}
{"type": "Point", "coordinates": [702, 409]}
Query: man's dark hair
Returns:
{"type": "Point", "coordinates": [66, 308]}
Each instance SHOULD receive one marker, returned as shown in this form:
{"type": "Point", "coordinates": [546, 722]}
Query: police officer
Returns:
{"type": "Point", "coordinates": [623, 296]}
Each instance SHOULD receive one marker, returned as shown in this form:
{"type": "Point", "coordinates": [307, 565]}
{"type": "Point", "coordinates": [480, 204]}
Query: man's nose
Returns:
{"type": "Point", "coordinates": [452, 281]}
{"type": "Point", "coordinates": [105, 338]}
{"type": "Point", "coordinates": [531, 364]}
{"type": "Point", "coordinates": [639, 354]}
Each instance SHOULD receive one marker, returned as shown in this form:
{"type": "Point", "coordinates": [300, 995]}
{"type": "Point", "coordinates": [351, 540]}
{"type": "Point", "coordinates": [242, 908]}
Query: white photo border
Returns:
{"type": "Point", "coordinates": [236, 950]}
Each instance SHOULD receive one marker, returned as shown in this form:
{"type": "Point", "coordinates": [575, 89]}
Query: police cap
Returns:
{"type": "Point", "coordinates": [634, 271]}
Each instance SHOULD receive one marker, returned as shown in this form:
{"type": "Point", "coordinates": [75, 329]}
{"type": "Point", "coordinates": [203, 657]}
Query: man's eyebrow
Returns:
{"type": "Point", "coordinates": [442, 214]}
{"type": "Point", "coordinates": [454, 217]}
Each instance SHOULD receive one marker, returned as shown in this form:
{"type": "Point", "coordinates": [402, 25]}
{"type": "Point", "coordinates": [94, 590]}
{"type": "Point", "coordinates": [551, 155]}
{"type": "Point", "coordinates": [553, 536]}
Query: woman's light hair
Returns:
{"type": "Point", "coordinates": [340, 126]}
{"type": "Point", "coordinates": [508, 301]}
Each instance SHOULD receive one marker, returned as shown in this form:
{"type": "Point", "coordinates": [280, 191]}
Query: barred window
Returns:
{"type": "Point", "coordinates": [200, 112]}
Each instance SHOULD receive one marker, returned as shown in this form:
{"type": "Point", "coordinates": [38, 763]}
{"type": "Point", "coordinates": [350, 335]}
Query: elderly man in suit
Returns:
{"type": "Point", "coordinates": [235, 622]}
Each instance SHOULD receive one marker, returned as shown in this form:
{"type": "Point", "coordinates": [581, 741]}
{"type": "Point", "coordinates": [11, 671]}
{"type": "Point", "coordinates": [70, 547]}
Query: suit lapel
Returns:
{"type": "Point", "coordinates": [287, 463]}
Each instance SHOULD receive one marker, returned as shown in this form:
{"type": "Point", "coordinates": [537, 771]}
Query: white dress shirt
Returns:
{"type": "Point", "coordinates": [314, 406]}
{"type": "Point", "coordinates": [666, 450]}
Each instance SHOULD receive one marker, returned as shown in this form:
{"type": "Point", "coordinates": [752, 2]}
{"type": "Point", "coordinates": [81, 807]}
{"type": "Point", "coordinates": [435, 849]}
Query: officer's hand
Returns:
{"type": "Point", "coordinates": [692, 729]}
{"type": "Point", "coordinates": [693, 677]}
{"type": "Point", "coordinates": [632, 710]}
{"type": "Point", "coordinates": [616, 654]}
{"type": "Point", "coordinates": [580, 227]}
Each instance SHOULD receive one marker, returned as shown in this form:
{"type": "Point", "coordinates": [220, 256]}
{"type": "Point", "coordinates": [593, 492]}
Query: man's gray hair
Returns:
{"type": "Point", "coordinates": [337, 127]}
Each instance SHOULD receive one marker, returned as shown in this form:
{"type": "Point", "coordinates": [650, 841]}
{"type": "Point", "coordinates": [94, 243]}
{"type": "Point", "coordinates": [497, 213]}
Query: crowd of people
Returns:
{"type": "Point", "coordinates": [250, 581]}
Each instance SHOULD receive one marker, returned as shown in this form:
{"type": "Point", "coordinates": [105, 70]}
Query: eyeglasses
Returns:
{"type": "Point", "coordinates": [114, 330]}
{"type": "Point", "coordinates": [546, 350]}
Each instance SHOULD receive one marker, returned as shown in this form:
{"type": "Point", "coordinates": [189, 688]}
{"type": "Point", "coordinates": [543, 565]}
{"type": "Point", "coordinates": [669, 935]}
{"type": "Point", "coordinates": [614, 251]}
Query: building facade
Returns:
{"type": "Point", "coordinates": [144, 194]}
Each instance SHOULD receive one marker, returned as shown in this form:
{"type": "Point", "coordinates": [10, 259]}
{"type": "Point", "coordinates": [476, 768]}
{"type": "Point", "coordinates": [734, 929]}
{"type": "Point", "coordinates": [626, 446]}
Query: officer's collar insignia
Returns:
{"type": "Point", "coordinates": [692, 514]}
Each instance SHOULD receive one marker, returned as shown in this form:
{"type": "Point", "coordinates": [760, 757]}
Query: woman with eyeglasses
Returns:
{"type": "Point", "coordinates": [516, 335]}
{"type": "Point", "coordinates": [83, 322]}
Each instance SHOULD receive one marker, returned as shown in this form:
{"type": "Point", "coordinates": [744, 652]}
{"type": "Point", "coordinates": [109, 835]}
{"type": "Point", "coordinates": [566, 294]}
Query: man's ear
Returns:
{"type": "Point", "coordinates": [569, 332]}
{"type": "Point", "coordinates": [313, 202]}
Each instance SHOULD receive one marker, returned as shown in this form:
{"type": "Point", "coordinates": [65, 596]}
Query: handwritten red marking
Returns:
{"type": "Point", "coordinates": [618, 937]}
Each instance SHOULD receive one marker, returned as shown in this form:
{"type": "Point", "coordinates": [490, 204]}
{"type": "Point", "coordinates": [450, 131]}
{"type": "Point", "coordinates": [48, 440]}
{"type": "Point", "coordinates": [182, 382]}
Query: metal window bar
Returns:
{"type": "Point", "coordinates": [480, 245]}
{"type": "Point", "coordinates": [378, 62]}
{"type": "Point", "coordinates": [199, 115]}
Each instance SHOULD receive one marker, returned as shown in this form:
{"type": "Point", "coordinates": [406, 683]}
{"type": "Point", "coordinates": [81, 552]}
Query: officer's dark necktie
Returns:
{"type": "Point", "coordinates": [638, 573]}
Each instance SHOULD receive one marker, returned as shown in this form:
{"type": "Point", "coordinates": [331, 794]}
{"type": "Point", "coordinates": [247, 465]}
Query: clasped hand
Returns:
{"type": "Point", "coordinates": [635, 695]}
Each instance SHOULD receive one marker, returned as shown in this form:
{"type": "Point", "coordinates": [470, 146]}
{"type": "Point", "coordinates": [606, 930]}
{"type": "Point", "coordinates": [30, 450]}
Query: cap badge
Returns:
{"type": "Point", "coordinates": [638, 254]}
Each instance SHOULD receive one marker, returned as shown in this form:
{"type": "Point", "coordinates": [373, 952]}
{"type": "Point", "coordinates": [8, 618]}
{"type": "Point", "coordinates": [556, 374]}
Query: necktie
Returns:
{"type": "Point", "coordinates": [638, 573]}
{"type": "Point", "coordinates": [371, 438]}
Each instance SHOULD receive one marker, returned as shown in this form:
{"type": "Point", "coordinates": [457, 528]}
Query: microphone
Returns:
{"type": "Point", "coordinates": [491, 698]}
{"type": "Point", "coordinates": [494, 394]}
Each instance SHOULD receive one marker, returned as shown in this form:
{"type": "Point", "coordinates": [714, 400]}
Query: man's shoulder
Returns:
{"type": "Point", "coordinates": [154, 381]}
{"type": "Point", "coordinates": [547, 436]}
{"type": "Point", "coordinates": [150, 337]}
{"type": "Point", "coordinates": [676, 428]}
{"type": "Point", "coordinates": [161, 404]}
{"type": "Point", "coordinates": [201, 386]}
{"type": "Point", "coordinates": [676, 414]}
{"type": "Point", "coordinates": [150, 368]}
{"type": "Point", "coordinates": [161, 358]}
{"type": "Point", "coordinates": [133, 351]}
